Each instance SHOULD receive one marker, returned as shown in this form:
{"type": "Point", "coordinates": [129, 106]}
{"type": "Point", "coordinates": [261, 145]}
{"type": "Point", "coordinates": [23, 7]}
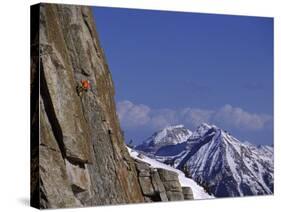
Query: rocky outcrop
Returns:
{"type": "Point", "coordinates": [150, 182]}
{"type": "Point", "coordinates": [160, 184]}
{"type": "Point", "coordinates": [81, 159]}
{"type": "Point", "coordinates": [171, 184]}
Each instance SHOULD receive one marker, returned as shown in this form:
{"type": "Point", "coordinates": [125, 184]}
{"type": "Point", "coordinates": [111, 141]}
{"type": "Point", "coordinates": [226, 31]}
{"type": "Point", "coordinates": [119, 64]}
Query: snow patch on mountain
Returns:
{"type": "Point", "coordinates": [164, 135]}
{"type": "Point", "coordinates": [171, 135]}
{"type": "Point", "coordinates": [201, 130]}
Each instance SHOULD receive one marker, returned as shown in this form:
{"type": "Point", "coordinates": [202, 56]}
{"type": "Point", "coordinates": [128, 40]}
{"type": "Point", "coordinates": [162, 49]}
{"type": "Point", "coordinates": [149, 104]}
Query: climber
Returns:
{"type": "Point", "coordinates": [83, 86]}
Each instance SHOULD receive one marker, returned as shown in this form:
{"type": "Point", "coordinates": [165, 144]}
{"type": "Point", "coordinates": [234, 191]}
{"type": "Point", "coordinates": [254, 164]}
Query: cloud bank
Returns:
{"type": "Point", "coordinates": [133, 116]}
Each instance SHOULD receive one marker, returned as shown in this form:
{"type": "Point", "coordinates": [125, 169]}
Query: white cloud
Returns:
{"type": "Point", "coordinates": [133, 116]}
{"type": "Point", "coordinates": [194, 116]}
{"type": "Point", "coordinates": [241, 119]}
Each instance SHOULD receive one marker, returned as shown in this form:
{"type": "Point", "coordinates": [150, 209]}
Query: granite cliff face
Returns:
{"type": "Point", "coordinates": [81, 158]}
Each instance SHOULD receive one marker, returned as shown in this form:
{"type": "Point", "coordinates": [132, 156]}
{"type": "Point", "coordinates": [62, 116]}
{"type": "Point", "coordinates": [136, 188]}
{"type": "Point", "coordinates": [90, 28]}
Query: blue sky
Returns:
{"type": "Point", "coordinates": [187, 68]}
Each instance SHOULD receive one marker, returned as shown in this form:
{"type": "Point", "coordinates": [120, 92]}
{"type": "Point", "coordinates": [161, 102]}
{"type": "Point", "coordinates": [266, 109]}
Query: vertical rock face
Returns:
{"type": "Point", "coordinates": [82, 157]}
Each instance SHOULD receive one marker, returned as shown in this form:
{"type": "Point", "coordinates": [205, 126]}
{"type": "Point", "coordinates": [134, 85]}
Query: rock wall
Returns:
{"type": "Point", "coordinates": [160, 184]}
{"type": "Point", "coordinates": [81, 158]}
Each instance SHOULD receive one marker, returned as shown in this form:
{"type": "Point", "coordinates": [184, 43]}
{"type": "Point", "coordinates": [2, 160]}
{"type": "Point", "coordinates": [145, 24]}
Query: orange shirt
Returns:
{"type": "Point", "coordinates": [85, 84]}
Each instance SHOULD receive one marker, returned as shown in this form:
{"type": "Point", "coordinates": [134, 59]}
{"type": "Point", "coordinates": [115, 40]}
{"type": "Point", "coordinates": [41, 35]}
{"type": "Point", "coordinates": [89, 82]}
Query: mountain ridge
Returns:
{"type": "Point", "coordinates": [220, 161]}
{"type": "Point", "coordinates": [174, 134]}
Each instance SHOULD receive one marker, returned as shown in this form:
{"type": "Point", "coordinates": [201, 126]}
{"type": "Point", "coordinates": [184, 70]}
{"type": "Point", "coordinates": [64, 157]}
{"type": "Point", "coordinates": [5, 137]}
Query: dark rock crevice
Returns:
{"type": "Point", "coordinates": [50, 111]}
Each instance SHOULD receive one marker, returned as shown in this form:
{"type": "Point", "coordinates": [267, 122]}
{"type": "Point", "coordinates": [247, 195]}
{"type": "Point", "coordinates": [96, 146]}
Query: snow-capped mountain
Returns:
{"type": "Point", "coordinates": [219, 161]}
{"type": "Point", "coordinates": [198, 191]}
{"type": "Point", "coordinates": [168, 136]}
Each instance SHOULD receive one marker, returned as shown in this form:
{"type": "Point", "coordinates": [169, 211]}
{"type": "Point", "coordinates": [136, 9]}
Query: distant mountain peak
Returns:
{"type": "Point", "coordinates": [216, 158]}
{"type": "Point", "coordinates": [202, 129]}
{"type": "Point", "coordinates": [171, 127]}
{"type": "Point", "coordinates": [169, 135]}
{"type": "Point", "coordinates": [204, 125]}
{"type": "Point", "coordinates": [179, 131]}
